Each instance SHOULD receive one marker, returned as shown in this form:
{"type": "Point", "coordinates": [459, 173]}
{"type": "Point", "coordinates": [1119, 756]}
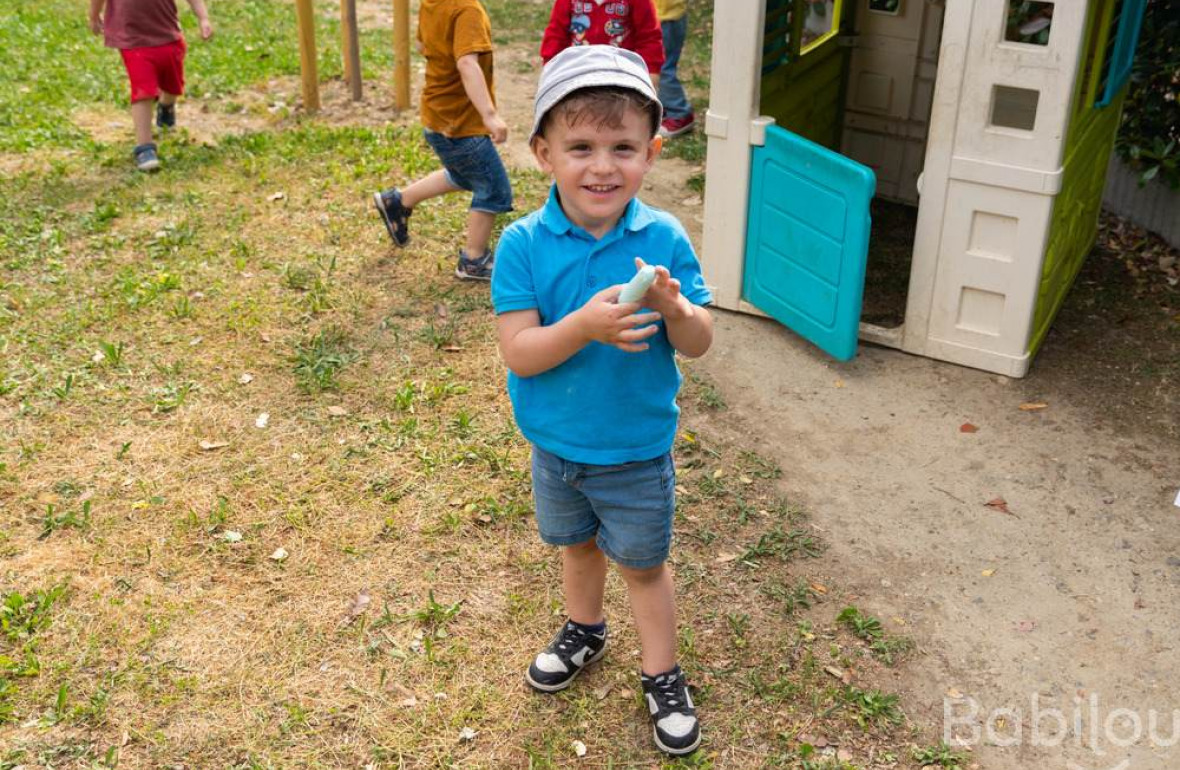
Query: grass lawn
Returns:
{"type": "Point", "coordinates": [262, 501]}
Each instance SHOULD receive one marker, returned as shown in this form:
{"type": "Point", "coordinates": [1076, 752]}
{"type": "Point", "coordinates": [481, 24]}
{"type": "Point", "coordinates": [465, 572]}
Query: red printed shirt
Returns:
{"type": "Point", "coordinates": [140, 23]}
{"type": "Point", "coordinates": [630, 24]}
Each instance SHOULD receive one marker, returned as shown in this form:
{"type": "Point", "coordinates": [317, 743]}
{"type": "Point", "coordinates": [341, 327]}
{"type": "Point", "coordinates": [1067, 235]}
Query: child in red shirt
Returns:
{"type": "Point", "coordinates": [147, 34]}
{"type": "Point", "coordinates": [630, 24]}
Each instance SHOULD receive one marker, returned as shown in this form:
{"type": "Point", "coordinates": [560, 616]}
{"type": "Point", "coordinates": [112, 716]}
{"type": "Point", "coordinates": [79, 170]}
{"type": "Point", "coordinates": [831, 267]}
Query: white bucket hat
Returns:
{"type": "Point", "coordinates": [588, 66]}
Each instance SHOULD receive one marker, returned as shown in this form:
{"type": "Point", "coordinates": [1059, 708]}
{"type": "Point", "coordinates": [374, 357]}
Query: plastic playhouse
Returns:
{"type": "Point", "coordinates": [994, 118]}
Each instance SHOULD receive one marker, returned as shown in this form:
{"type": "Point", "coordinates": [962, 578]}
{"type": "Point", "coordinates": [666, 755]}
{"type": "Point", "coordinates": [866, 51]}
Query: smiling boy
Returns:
{"type": "Point", "coordinates": [593, 382]}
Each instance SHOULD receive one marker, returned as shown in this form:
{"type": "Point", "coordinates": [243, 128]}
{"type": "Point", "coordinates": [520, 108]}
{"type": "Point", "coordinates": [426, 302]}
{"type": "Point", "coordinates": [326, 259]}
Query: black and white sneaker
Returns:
{"type": "Point", "coordinates": [673, 717]}
{"type": "Point", "coordinates": [395, 215]}
{"type": "Point", "coordinates": [572, 649]}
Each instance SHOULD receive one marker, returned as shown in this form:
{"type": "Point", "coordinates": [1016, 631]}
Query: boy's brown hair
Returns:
{"type": "Point", "coordinates": [604, 106]}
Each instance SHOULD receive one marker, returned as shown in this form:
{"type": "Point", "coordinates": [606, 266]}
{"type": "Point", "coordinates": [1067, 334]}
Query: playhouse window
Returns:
{"type": "Point", "coordinates": [1014, 107]}
{"type": "Point", "coordinates": [1029, 22]}
{"type": "Point", "coordinates": [891, 7]}
{"type": "Point", "coordinates": [821, 20]}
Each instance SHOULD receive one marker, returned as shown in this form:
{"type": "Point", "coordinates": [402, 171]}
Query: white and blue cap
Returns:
{"type": "Point", "coordinates": [589, 66]}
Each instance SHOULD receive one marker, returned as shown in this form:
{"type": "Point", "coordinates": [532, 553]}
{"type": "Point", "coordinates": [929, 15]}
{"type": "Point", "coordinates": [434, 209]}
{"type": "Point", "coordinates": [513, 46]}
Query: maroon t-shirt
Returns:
{"type": "Point", "coordinates": [140, 23]}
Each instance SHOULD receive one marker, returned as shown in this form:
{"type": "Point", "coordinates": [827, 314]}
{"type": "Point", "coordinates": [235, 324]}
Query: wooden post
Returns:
{"type": "Point", "coordinates": [351, 48]}
{"type": "Point", "coordinates": [401, 54]}
{"type": "Point", "coordinates": [307, 55]}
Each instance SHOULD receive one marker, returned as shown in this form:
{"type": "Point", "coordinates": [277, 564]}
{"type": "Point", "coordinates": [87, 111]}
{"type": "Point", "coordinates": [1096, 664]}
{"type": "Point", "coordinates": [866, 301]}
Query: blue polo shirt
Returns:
{"type": "Point", "coordinates": [602, 406]}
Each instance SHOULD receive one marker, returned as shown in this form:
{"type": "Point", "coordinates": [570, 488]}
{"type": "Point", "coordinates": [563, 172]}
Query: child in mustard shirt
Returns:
{"type": "Point", "coordinates": [460, 123]}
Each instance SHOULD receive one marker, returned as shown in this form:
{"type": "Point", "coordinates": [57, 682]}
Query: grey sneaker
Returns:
{"type": "Point", "coordinates": [572, 649]}
{"type": "Point", "coordinates": [674, 718]}
{"type": "Point", "coordinates": [479, 269]}
{"type": "Point", "coordinates": [146, 158]}
{"type": "Point", "coordinates": [395, 216]}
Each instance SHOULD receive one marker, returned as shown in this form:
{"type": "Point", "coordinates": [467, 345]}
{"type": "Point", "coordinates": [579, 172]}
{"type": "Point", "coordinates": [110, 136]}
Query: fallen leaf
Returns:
{"type": "Point", "coordinates": [1026, 626]}
{"type": "Point", "coordinates": [625, 693]}
{"type": "Point", "coordinates": [230, 536]}
{"type": "Point", "coordinates": [1033, 406]}
{"type": "Point", "coordinates": [277, 196]}
{"type": "Point", "coordinates": [579, 748]}
{"type": "Point", "coordinates": [718, 473]}
{"type": "Point", "coordinates": [725, 558]}
{"type": "Point", "coordinates": [467, 734]}
{"type": "Point", "coordinates": [263, 420]}
{"type": "Point", "coordinates": [833, 671]}
{"type": "Point", "coordinates": [838, 384]}
{"type": "Point", "coordinates": [968, 428]}
{"type": "Point", "coordinates": [337, 411]}
{"type": "Point", "coordinates": [98, 357]}
{"type": "Point", "coordinates": [988, 572]}
{"type": "Point", "coordinates": [246, 379]}
{"type": "Point", "coordinates": [999, 504]}
{"type": "Point", "coordinates": [452, 348]}
{"type": "Point", "coordinates": [209, 446]}
{"type": "Point", "coordinates": [603, 691]}
{"type": "Point", "coordinates": [745, 479]}
{"type": "Point", "coordinates": [280, 554]}
{"type": "Point", "coordinates": [440, 310]}
{"type": "Point", "coordinates": [819, 588]}
{"type": "Point", "coordinates": [359, 605]}
{"type": "Point", "coordinates": [954, 693]}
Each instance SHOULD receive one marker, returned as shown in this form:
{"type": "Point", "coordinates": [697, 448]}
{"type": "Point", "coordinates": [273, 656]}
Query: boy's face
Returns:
{"type": "Point", "coordinates": [598, 170]}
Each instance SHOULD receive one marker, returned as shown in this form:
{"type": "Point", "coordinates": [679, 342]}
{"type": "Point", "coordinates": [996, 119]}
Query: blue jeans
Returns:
{"type": "Point", "coordinates": [672, 96]}
{"type": "Point", "coordinates": [472, 163]}
{"type": "Point", "coordinates": [626, 509]}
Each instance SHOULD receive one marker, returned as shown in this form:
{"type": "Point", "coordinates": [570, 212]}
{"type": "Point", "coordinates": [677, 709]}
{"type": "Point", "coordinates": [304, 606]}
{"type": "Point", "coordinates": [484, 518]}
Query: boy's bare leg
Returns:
{"type": "Point", "coordinates": [583, 573]}
{"type": "Point", "coordinates": [430, 186]}
{"type": "Point", "coordinates": [141, 116]}
{"type": "Point", "coordinates": [167, 99]}
{"type": "Point", "coordinates": [653, 603]}
{"type": "Point", "coordinates": [479, 233]}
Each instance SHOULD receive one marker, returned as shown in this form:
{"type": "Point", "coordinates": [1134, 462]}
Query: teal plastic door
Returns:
{"type": "Point", "coordinates": [807, 240]}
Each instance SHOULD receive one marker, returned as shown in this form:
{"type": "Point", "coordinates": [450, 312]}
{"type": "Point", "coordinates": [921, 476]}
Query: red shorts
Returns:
{"type": "Point", "coordinates": [154, 69]}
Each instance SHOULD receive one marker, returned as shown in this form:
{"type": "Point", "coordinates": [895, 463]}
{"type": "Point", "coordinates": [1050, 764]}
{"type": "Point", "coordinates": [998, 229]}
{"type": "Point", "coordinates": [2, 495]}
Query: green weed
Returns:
{"type": "Point", "coordinates": [435, 615]}
{"type": "Point", "coordinates": [319, 360]}
{"type": "Point", "coordinates": [941, 755]}
{"type": "Point", "coordinates": [872, 707]}
{"type": "Point", "coordinates": [53, 521]}
{"type": "Point", "coordinates": [22, 616]}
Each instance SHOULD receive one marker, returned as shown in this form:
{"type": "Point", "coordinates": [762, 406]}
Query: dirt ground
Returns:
{"type": "Point", "coordinates": [1066, 601]}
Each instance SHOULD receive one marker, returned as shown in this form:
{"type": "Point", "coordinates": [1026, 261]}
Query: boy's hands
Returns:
{"type": "Point", "coordinates": [496, 127]}
{"type": "Point", "coordinates": [96, 23]}
{"type": "Point", "coordinates": [604, 320]}
{"type": "Point", "coordinates": [664, 295]}
{"type": "Point", "coordinates": [206, 29]}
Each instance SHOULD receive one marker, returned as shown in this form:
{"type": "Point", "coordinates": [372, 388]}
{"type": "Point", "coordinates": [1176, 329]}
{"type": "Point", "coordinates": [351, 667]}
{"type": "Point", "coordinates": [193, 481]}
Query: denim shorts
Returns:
{"type": "Point", "coordinates": [627, 508]}
{"type": "Point", "coordinates": [472, 163]}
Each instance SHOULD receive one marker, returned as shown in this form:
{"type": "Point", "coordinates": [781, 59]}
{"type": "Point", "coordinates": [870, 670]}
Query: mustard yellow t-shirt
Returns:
{"type": "Point", "coordinates": [669, 10]}
{"type": "Point", "coordinates": [448, 30]}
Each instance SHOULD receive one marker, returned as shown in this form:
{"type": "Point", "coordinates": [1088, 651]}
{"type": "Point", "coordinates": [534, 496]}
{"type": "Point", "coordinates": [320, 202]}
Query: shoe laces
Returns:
{"type": "Point", "coordinates": [571, 638]}
{"type": "Point", "coordinates": [668, 691]}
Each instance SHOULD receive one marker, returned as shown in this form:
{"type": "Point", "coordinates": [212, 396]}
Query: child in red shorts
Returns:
{"type": "Point", "coordinates": [147, 34]}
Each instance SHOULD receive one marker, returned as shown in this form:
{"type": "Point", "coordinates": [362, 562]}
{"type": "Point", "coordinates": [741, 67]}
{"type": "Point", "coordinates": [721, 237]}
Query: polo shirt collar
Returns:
{"type": "Point", "coordinates": [636, 217]}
